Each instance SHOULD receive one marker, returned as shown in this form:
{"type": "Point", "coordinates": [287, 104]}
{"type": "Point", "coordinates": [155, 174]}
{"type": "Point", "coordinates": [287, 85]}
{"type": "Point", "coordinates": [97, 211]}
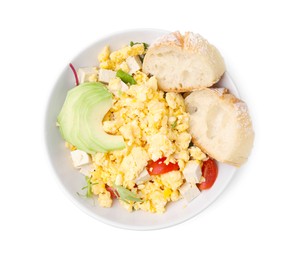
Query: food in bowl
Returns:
{"type": "Point", "coordinates": [131, 136]}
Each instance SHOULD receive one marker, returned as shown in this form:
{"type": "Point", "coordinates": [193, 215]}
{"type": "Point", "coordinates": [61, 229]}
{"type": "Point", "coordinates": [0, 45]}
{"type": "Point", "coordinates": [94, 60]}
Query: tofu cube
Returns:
{"type": "Point", "coordinates": [80, 158]}
{"type": "Point", "coordinates": [87, 169]}
{"type": "Point", "coordinates": [192, 172]}
{"type": "Point", "coordinates": [87, 74]}
{"type": "Point", "coordinates": [134, 63]}
{"type": "Point", "coordinates": [189, 191]}
{"type": "Point", "coordinates": [143, 177]}
{"type": "Point", "coordinates": [106, 75]}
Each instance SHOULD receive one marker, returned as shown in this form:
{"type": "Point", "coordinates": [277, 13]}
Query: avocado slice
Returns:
{"type": "Point", "coordinates": [65, 115]}
{"type": "Point", "coordinates": [82, 132]}
{"type": "Point", "coordinates": [77, 134]}
{"type": "Point", "coordinates": [80, 119]}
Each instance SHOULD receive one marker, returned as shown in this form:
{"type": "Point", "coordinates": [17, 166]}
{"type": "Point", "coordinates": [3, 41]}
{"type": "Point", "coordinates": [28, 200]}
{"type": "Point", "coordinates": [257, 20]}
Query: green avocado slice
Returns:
{"type": "Point", "coordinates": [82, 126]}
{"type": "Point", "coordinates": [80, 119]}
{"type": "Point", "coordinates": [107, 141]}
{"type": "Point", "coordinates": [65, 117]}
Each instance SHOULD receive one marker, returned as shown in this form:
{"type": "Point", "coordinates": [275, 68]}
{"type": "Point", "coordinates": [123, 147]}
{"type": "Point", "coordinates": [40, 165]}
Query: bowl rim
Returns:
{"type": "Point", "coordinates": [58, 179]}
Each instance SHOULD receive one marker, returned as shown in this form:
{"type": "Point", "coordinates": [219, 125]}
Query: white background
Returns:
{"type": "Point", "coordinates": [254, 218]}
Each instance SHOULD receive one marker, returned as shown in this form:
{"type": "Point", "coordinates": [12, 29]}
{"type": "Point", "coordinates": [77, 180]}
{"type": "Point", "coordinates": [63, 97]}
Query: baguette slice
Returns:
{"type": "Point", "coordinates": [220, 125]}
{"type": "Point", "coordinates": [183, 63]}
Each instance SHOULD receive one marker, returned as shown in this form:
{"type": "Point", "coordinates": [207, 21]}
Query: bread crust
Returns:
{"type": "Point", "coordinates": [189, 45]}
{"type": "Point", "coordinates": [170, 39]}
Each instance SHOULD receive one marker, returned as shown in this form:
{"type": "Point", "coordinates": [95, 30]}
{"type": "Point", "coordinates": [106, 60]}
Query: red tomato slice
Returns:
{"type": "Point", "coordinates": [113, 192]}
{"type": "Point", "coordinates": [159, 167]}
{"type": "Point", "coordinates": [209, 172]}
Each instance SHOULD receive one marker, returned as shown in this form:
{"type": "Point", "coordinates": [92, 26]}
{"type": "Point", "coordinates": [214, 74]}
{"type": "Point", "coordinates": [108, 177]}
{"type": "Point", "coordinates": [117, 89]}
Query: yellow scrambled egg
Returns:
{"type": "Point", "coordinates": [116, 60]}
{"type": "Point", "coordinates": [153, 124]}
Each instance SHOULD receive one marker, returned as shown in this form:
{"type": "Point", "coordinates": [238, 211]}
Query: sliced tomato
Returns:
{"type": "Point", "coordinates": [159, 167]}
{"type": "Point", "coordinates": [209, 172]}
{"type": "Point", "coordinates": [113, 192]}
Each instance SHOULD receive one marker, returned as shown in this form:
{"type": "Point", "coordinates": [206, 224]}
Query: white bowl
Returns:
{"type": "Point", "coordinates": [72, 181]}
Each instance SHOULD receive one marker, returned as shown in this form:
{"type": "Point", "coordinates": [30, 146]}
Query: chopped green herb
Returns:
{"type": "Point", "coordinates": [88, 187]}
{"type": "Point", "coordinates": [125, 77]}
{"type": "Point", "coordinates": [126, 195]}
{"type": "Point", "coordinates": [173, 125]}
{"type": "Point", "coordinates": [146, 45]}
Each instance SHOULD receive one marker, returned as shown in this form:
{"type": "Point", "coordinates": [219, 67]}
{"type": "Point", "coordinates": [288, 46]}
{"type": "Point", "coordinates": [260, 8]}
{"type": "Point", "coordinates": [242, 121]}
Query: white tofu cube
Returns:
{"type": "Point", "coordinates": [143, 177]}
{"type": "Point", "coordinates": [80, 158]}
{"type": "Point", "coordinates": [84, 74]}
{"type": "Point", "coordinates": [106, 75]}
{"type": "Point", "coordinates": [87, 169]}
{"type": "Point", "coordinates": [192, 172]}
{"type": "Point", "coordinates": [134, 63]}
{"type": "Point", "coordinates": [189, 191]}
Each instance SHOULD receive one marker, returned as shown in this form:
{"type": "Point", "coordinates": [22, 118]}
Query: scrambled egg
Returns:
{"type": "Point", "coordinates": [116, 59]}
{"type": "Point", "coordinates": [153, 124]}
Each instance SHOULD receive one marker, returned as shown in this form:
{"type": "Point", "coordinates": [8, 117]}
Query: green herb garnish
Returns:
{"type": "Point", "coordinates": [126, 195]}
{"type": "Point", "coordinates": [125, 77]}
{"type": "Point", "coordinates": [88, 188]}
{"type": "Point", "coordinates": [146, 45]}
